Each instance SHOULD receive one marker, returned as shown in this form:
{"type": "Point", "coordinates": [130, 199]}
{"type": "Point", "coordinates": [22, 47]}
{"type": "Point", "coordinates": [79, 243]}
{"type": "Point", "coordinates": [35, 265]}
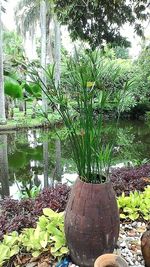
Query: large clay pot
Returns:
{"type": "Point", "coordinates": [110, 260]}
{"type": "Point", "coordinates": [91, 222]}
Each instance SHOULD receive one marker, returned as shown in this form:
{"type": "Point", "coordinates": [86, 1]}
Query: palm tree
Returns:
{"type": "Point", "coordinates": [2, 97]}
{"type": "Point", "coordinates": [43, 51]}
{"type": "Point", "coordinates": [28, 15]}
{"type": "Point", "coordinates": [57, 51]}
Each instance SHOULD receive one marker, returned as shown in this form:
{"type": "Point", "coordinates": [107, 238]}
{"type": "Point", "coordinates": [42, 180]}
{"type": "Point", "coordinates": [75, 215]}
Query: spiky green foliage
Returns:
{"type": "Point", "coordinates": [91, 151]}
{"type": "Point", "coordinates": [33, 89]}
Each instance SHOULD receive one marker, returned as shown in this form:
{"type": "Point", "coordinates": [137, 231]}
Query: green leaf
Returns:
{"type": "Point", "coordinates": [123, 216]}
{"type": "Point", "coordinates": [4, 252]}
{"type": "Point", "coordinates": [64, 250]}
{"type": "Point", "coordinates": [43, 221]}
{"type": "Point", "coordinates": [14, 250]}
{"type": "Point", "coordinates": [134, 216]}
{"type": "Point", "coordinates": [36, 254]}
{"type": "Point", "coordinates": [37, 232]}
{"type": "Point", "coordinates": [49, 213]}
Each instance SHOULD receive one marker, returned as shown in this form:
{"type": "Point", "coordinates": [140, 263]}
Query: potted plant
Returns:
{"type": "Point", "coordinates": [91, 217]}
{"type": "Point", "coordinates": [111, 260]}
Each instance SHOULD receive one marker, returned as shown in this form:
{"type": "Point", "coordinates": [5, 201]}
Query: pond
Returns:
{"type": "Point", "coordinates": [37, 157]}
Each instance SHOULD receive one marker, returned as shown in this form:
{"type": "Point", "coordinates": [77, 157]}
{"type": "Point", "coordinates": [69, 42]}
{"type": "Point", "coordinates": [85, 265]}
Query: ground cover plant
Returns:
{"type": "Point", "coordinates": [30, 230]}
{"type": "Point", "coordinates": [135, 206]}
{"type": "Point", "coordinates": [48, 236]}
{"type": "Point", "coordinates": [128, 179]}
{"type": "Point", "coordinates": [16, 215]}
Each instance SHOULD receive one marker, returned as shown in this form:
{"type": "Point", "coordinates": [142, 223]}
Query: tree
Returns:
{"type": "Point", "coordinates": [57, 55]}
{"type": "Point", "coordinates": [27, 15]}
{"type": "Point", "coordinates": [36, 12]}
{"type": "Point", "coordinates": [43, 52]}
{"type": "Point", "coordinates": [96, 21]}
{"type": "Point", "coordinates": [141, 76]}
{"type": "Point", "coordinates": [2, 98]}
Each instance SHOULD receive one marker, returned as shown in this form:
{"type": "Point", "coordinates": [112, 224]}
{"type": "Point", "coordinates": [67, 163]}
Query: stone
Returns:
{"type": "Point", "coordinates": [32, 264]}
{"type": "Point", "coordinates": [134, 224]}
{"type": "Point", "coordinates": [123, 244]}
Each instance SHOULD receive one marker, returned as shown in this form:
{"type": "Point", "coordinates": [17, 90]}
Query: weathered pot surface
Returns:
{"type": "Point", "coordinates": [91, 222]}
{"type": "Point", "coordinates": [110, 260]}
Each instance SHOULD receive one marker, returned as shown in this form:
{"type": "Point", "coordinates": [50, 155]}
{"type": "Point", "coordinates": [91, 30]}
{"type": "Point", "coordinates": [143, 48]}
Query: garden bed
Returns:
{"type": "Point", "coordinates": [18, 215]}
{"type": "Point", "coordinates": [128, 247]}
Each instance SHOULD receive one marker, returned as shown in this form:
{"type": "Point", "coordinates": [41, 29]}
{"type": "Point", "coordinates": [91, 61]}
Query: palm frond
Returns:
{"type": "Point", "coordinates": [27, 15]}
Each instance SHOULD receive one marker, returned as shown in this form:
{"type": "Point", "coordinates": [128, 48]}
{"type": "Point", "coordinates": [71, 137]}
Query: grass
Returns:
{"type": "Point", "coordinates": [21, 121]}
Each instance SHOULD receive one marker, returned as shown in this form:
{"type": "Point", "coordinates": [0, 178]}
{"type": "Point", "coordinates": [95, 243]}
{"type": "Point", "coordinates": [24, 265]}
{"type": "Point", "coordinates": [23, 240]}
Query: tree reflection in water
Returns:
{"type": "Point", "coordinates": [4, 173]}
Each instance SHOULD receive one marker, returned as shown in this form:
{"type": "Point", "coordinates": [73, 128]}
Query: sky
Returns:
{"type": "Point", "coordinates": [9, 22]}
{"type": "Point", "coordinates": [8, 18]}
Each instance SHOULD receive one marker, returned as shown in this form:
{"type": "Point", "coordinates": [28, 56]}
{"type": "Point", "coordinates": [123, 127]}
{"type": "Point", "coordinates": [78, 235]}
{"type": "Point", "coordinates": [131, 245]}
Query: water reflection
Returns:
{"type": "Point", "coordinates": [38, 158]}
{"type": "Point", "coordinates": [58, 171]}
{"type": "Point", "coordinates": [33, 160]}
{"type": "Point", "coordinates": [4, 173]}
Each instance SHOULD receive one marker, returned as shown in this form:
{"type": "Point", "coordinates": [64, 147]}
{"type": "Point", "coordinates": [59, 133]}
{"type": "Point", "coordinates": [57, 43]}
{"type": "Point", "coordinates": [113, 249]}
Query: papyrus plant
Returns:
{"type": "Point", "coordinates": [81, 87]}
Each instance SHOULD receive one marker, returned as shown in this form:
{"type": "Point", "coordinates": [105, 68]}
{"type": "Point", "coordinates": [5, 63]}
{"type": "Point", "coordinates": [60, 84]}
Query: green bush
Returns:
{"type": "Point", "coordinates": [135, 206]}
{"type": "Point", "coordinates": [47, 236]}
{"type": "Point", "coordinates": [12, 88]}
{"type": "Point", "coordinates": [147, 116]}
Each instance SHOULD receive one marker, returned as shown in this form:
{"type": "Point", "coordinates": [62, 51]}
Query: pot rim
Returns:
{"type": "Point", "coordinates": [113, 257]}
{"type": "Point", "coordinates": [106, 182]}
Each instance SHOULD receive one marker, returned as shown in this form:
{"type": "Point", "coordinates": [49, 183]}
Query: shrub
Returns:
{"type": "Point", "coordinates": [16, 215]}
{"type": "Point", "coordinates": [148, 116]}
{"type": "Point", "coordinates": [128, 179]}
{"type": "Point", "coordinates": [48, 236]}
{"type": "Point", "coordinates": [135, 206]}
{"type": "Point", "coordinates": [54, 198]}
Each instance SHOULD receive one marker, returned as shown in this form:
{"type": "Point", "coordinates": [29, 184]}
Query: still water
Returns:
{"type": "Point", "coordinates": [37, 157]}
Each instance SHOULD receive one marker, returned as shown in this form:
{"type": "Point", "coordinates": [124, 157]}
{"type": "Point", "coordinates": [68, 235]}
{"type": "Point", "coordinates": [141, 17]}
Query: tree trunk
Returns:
{"type": "Point", "coordinates": [21, 105]}
{"type": "Point", "coordinates": [43, 52]}
{"type": "Point", "coordinates": [57, 51]}
{"type": "Point", "coordinates": [4, 173]}
{"type": "Point", "coordinates": [57, 82]}
{"type": "Point", "coordinates": [49, 52]}
{"type": "Point", "coordinates": [2, 97]}
{"type": "Point", "coordinates": [33, 42]}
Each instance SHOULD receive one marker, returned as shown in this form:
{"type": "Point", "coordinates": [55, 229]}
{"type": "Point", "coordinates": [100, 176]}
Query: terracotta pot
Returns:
{"type": "Point", "coordinates": [91, 222]}
{"type": "Point", "coordinates": [110, 260]}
